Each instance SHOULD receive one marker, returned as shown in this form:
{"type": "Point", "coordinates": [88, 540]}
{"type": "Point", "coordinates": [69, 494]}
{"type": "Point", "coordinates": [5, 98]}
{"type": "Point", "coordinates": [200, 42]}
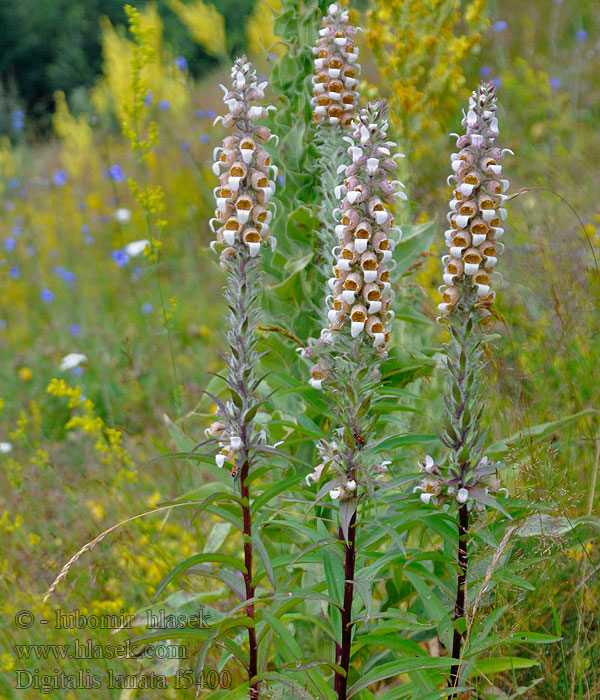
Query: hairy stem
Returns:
{"type": "Point", "coordinates": [253, 664]}
{"type": "Point", "coordinates": [242, 360]}
{"type": "Point", "coordinates": [344, 649]}
{"type": "Point", "coordinates": [462, 559]}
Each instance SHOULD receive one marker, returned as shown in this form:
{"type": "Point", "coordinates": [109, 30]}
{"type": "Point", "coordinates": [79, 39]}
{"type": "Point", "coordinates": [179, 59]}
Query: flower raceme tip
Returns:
{"type": "Point", "coordinates": [477, 206]}
{"type": "Point", "coordinates": [336, 70]}
{"type": "Point", "coordinates": [247, 175]}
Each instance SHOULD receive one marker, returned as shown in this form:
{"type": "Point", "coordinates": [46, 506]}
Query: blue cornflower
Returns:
{"type": "Point", "coordinates": [500, 26]}
{"type": "Point", "coordinates": [200, 114]}
{"type": "Point", "coordinates": [120, 257]}
{"type": "Point", "coordinates": [164, 105]}
{"type": "Point", "coordinates": [9, 244]}
{"type": "Point", "coordinates": [146, 307]}
{"type": "Point", "coordinates": [210, 114]}
{"type": "Point", "coordinates": [60, 178]}
{"type": "Point", "coordinates": [554, 83]}
{"type": "Point", "coordinates": [69, 278]}
{"type": "Point", "coordinates": [77, 371]}
{"type": "Point", "coordinates": [47, 296]}
{"type": "Point", "coordinates": [148, 99]}
{"type": "Point", "coordinates": [18, 120]}
{"type": "Point", "coordinates": [85, 228]}
{"type": "Point", "coordinates": [185, 146]}
{"type": "Point", "coordinates": [497, 82]}
{"type": "Point", "coordinates": [88, 239]}
{"type": "Point", "coordinates": [136, 272]}
{"type": "Point", "coordinates": [181, 63]}
{"type": "Point", "coordinates": [75, 329]}
{"type": "Point", "coordinates": [115, 172]}
{"type": "Point", "coordinates": [484, 71]}
{"type": "Point", "coordinates": [281, 180]}
{"type": "Point", "coordinates": [204, 138]}
{"type": "Point", "coordinates": [13, 183]}
{"type": "Point", "coordinates": [272, 56]}
{"type": "Point", "coordinates": [81, 205]}
{"type": "Point", "coordinates": [581, 35]}
{"type": "Point", "coordinates": [66, 275]}
{"type": "Point", "coordinates": [15, 272]}
{"type": "Point", "coordinates": [3, 324]}
{"type": "Point", "coordinates": [30, 250]}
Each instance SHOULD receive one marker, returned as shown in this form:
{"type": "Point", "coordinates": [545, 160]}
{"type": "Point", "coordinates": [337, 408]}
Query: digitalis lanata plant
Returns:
{"type": "Point", "coordinates": [469, 479]}
{"type": "Point", "coordinates": [242, 217]}
{"type": "Point", "coordinates": [356, 339]}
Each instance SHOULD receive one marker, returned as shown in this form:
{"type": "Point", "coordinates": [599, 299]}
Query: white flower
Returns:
{"type": "Point", "coordinates": [5, 447]}
{"type": "Point", "coordinates": [426, 497]}
{"type": "Point", "coordinates": [351, 485]}
{"type": "Point", "coordinates": [428, 465]}
{"type": "Point", "coordinates": [316, 475]}
{"type": "Point", "coordinates": [235, 442]}
{"type": "Point", "coordinates": [335, 493]}
{"type": "Point", "coordinates": [462, 495]}
{"type": "Point", "coordinates": [220, 460]}
{"type": "Point", "coordinates": [136, 248]}
{"type": "Point", "coordinates": [123, 216]}
{"type": "Point", "coordinates": [72, 360]}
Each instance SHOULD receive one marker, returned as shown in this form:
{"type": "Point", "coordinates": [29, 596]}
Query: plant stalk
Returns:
{"type": "Point", "coordinates": [247, 534]}
{"type": "Point", "coordinates": [343, 651]}
{"type": "Point", "coordinates": [460, 604]}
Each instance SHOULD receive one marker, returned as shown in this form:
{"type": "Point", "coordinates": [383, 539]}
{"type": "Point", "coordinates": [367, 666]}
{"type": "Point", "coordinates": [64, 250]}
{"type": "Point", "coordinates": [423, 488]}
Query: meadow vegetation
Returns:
{"type": "Point", "coordinates": [113, 327]}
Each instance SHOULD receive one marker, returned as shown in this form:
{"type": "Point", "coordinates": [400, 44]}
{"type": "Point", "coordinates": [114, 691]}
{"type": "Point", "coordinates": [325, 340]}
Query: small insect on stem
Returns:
{"type": "Point", "coordinates": [360, 441]}
{"type": "Point", "coordinates": [234, 471]}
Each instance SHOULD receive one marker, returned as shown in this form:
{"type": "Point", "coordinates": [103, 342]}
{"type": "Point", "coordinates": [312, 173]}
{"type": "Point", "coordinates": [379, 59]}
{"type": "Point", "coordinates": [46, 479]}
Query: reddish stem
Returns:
{"type": "Point", "coordinates": [253, 663]}
{"type": "Point", "coordinates": [459, 608]}
{"type": "Point", "coordinates": [343, 650]}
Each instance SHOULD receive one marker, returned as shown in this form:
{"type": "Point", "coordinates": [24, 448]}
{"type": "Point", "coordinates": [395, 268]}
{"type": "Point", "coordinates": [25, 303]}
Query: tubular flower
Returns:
{"type": "Point", "coordinates": [361, 291]}
{"type": "Point", "coordinates": [476, 208]}
{"type": "Point", "coordinates": [242, 216]}
{"type": "Point", "coordinates": [336, 70]}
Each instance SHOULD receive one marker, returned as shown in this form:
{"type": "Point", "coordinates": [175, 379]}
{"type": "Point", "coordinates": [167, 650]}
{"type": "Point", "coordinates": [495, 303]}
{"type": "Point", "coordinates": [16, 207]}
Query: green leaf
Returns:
{"type": "Point", "coordinates": [433, 606]}
{"type": "Point", "coordinates": [415, 240]}
{"type": "Point", "coordinates": [283, 635]}
{"type": "Point", "coordinates": [391, 443]}
{"type": "Point", "coordinates": [482, 496]}
{"type": "Point", "coordinates": [396, 668]}
{"type": "Point", "coordinates": [217, 536]}
{"type": "Point", "coordinates": [182, 441]}
{"type": "Point", "coordinates": [267, 495]}
{"type": "Point", "coordinates": [214, 635]}
{"type": "Point", "coordinates": [264, 556]}
{"type": "Point", "coordinates": [521, 441]}
{"type": "Point", "coordinates": [542, 524]}
{"type": "Point", "coordinates": [199, 559]}
{"type": "Point", "coordinates": [347, 509]}
{"type": "Point", "coordinates": [487, 667]}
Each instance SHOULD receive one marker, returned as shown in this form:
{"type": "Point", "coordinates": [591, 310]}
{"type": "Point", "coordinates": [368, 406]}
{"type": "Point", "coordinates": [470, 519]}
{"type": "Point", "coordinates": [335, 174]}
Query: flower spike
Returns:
{"type": "Point", "coordinates": [476, 208]}
{"type": "Point", "coordinates": [336, 70]}
{"type": "Point", "coordinates": [245, 170]}
{"type": "Point", "coordinates": [361, 292]}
